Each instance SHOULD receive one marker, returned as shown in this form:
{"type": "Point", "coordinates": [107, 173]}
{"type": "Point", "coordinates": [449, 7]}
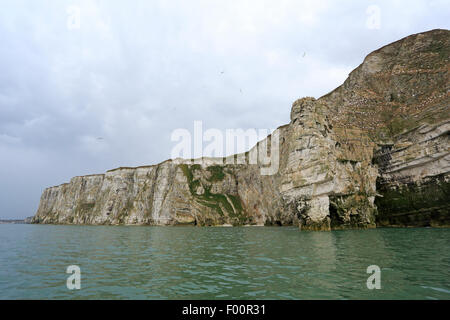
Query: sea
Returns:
{"type": "Point", "coordinates": [188, 262]}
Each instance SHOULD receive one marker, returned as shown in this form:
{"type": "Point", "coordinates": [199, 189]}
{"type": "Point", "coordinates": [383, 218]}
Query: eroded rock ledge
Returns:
{"type": "Point", "coordinates": [375, 151]}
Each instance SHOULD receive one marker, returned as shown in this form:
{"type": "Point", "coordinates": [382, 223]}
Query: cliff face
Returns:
{"type": "Point", "coordinates": [379, 143]}
{"type": "Point", "coordinates": [399, 95]}
{"type": "Point", "coordinates": [414, 182]}
{"type": "Point", "coordinates": [315, 175]}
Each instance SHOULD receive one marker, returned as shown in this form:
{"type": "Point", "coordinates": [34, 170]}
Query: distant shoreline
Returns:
{"type": "Point", "coordinates": [15, 221]}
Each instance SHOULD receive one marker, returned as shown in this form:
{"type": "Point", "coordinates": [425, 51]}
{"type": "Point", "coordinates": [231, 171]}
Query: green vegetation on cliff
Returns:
{"type": "Point", "coordinates": [228, 204]}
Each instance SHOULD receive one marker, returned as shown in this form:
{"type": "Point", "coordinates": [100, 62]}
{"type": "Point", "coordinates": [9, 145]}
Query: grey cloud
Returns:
{"type": "Point", "coordinates": [137, 70]}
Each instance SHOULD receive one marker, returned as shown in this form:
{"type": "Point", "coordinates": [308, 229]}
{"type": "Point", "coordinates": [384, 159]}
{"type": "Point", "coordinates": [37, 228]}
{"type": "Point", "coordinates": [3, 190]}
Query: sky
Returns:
{"type": "Point", "coordinates": [87, 86]}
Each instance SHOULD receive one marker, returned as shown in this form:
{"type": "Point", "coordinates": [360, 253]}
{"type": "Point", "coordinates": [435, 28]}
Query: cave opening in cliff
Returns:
{"type": "Point", "coordinates": [333, 212]}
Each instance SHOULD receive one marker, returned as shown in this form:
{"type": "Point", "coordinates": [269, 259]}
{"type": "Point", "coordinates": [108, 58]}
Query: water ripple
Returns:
{"type": "Point", "coordinates": [130, 262]}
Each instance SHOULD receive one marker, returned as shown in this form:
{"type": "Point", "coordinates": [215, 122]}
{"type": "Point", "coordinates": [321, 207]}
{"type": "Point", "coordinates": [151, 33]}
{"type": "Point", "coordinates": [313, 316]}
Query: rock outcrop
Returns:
{"type": "Point", "coordinates": [375, 151]}
{"type": "Point", "coordinates": [326, 183]}
{"type": "Point", "coordinates": [399, 95]}
{"type": "Point", "coordinates": [414, 182]}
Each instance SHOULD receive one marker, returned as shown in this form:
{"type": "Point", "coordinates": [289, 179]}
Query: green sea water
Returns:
{"type": "Point", "coordinates": [141, 262]}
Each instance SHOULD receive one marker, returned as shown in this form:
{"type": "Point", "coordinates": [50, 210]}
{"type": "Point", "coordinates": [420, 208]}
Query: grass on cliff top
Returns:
{"type": "Point", "coordinates": [441, 49]}
{"type": "Point", "coordinates": [216, 173]}
{"type": "Point", "coordinates": [393, 125]}
{"type": "Point", "coordinates": [399, 125]}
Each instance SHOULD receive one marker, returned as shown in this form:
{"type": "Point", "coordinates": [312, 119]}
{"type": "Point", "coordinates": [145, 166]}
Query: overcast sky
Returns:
{"type": "Point", "coordinates": [81, 94]}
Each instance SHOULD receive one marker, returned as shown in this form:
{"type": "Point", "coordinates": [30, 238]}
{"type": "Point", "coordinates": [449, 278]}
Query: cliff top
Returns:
{"type": "Point", "coordinates": [397, 87]}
